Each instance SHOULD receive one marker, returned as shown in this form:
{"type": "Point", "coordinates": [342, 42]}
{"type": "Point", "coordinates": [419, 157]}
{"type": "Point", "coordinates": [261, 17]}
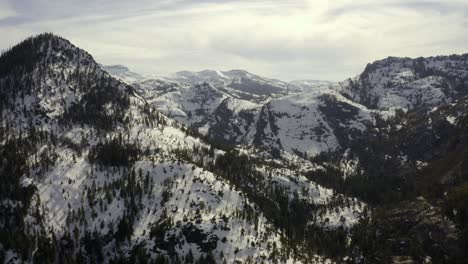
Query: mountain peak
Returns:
{"type": "Point", "coordinates": [39, 41]}
{"type": "Point", "coordinates": [42, 48]}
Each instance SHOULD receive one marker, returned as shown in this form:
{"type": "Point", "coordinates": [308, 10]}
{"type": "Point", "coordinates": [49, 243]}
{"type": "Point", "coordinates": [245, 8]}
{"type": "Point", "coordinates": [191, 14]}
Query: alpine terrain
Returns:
{"type": "Point", "coordinates": [99, 164]}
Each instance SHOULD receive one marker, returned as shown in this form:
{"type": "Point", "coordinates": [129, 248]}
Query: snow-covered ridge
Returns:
{"type": "Point", "coordinates": [311, 122]}
{"type": "Point", "coordinates": [292, 121]}
{"type": "Point", "coordinates": [296, 122]}
{"type": "Point", "coordinates": [407, 83]}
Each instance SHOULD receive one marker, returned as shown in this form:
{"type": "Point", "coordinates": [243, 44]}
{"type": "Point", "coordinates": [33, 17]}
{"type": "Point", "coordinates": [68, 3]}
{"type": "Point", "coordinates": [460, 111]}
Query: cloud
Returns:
{"type": "Point", "coordinates": [6, 10]}
{"type": "Point", "coordinates": [295, 39]}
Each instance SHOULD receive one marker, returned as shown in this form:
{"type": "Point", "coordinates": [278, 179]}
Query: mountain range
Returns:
{"type": "Point", "coordinates": [104, 165]}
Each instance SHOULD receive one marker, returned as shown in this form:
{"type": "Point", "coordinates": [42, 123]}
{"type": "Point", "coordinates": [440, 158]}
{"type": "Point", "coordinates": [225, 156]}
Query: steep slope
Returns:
{"type": "Point", "coordinates": [310, 123]}
{"type": "Point", "coordinates": [47, 82]}
{"type": "Point", "coordinates": [409, 83]}
{"type": "Point", "coordinates": [232, 122]}
{"type": "Point", "coordinates": [93, 173]}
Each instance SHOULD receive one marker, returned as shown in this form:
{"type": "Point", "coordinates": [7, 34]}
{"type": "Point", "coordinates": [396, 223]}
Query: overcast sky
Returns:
{"type": "Point", "coordinates": [297, 39]}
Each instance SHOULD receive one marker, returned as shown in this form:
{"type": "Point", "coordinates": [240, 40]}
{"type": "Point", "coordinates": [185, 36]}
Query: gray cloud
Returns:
{"type": "Point", "coordinates": [295, 39]}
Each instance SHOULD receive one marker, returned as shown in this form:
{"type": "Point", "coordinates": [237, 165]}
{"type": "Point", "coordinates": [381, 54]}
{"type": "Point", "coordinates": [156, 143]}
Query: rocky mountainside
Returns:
{"type": "Point", "coordinates": [409, 83]}
{"type": "Point", "coordinates": [310, 123]}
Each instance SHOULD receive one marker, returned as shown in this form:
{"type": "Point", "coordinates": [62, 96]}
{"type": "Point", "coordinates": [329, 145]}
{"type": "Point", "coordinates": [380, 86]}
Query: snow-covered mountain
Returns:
{"type": "Point", "coordinates": [234, 114]}
{"type": "Point", "coordinates": [94, 173]}
{"type": "Point", "coordinates": [408, 83]}
{"type": "Point", "coordinates": [188, 104]}
{"type": "Point", "coordinates": [103, 165]}
{"type": "Point", "coordinates": [239, 83]}
{"type": "Point", "coordinates": [311, 118]}
{"type": "Point", "coordinates": [123, 73]}
{"type": "Point", "coordinates": [310, 123]}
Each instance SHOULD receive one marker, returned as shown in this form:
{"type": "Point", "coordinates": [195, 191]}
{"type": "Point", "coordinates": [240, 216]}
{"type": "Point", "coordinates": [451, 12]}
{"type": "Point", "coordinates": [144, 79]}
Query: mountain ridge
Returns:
{"type": "Point", "coordinates": [406, 83]}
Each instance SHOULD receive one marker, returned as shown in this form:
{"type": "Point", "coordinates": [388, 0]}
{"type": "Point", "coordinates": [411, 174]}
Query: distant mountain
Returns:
{"type": "Point", "coordinates": [188, 104]}
{"type": "Point", "coordinates": [310, 123]}
{"type": "Point", "coordinates": [409, 83]}
{"type": "Point", "coordinates": [239, 82]}
{"type": "Point", "coordinates": [123, 73]}
{"type": "Point", "coordinates": [237, 107]}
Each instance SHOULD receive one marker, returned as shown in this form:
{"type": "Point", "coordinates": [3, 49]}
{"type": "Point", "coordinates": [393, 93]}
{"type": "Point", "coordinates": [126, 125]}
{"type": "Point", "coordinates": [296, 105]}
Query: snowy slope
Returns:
{"type": "Point", "coordinates": [310, 123]}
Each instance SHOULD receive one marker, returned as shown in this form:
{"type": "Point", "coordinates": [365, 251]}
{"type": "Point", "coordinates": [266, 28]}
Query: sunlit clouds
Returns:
{"type": "Point", "coordinates": [283, 39]}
